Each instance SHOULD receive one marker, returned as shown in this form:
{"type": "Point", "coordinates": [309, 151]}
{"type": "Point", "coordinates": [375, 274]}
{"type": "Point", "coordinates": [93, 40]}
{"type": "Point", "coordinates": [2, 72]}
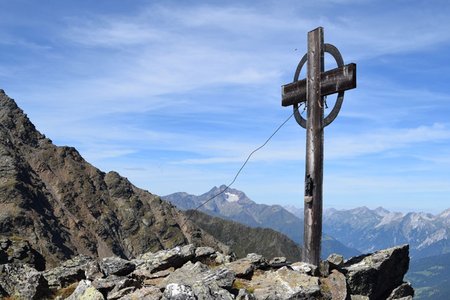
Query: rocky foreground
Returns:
{"type": "Point", "coordinates": [190, 272]}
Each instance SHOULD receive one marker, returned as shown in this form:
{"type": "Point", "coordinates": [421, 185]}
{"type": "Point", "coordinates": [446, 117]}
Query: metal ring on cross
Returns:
{"type": "Point", "coordinates": [340, 97]}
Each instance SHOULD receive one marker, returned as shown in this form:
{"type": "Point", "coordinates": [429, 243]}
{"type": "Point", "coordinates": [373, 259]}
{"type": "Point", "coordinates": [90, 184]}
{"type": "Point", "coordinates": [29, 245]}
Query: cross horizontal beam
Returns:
{"type": "Point", "coordinates": [332, 81]}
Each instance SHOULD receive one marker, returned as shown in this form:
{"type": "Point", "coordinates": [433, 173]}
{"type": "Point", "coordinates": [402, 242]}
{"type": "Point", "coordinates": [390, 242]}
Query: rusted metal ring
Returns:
{"type": "Point", "coordinates": [340, 97]}
{"type": "Point", "coordinates": [298, 117]}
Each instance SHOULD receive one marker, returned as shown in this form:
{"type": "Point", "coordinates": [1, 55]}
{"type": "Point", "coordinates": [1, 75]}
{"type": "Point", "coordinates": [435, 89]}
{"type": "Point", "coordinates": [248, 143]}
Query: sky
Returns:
{"type": "Point", "coordinates": [174, 95]}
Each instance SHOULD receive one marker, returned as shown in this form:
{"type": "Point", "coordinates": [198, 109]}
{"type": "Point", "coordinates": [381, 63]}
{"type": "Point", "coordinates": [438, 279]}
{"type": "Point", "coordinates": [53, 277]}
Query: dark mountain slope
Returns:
{"type": "Point", "coordinates": [64, 206]}
{"type": "Point", "coordinates": [243, 239]}
{"type": "Point", "coordinates": [430, 277]}
{"type": "Point", "coordinates": [234, 205]}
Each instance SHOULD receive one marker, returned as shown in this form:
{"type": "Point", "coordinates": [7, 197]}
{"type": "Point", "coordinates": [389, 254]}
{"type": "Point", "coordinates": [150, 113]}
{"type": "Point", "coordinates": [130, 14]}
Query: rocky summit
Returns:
{"type": "Point", "coordinates": [56, 203]}
{"type": "Point", "coordinates": [190, 272]}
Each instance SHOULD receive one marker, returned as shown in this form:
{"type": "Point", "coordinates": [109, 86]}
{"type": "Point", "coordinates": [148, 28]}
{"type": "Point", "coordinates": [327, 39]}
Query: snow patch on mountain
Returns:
{"type": "Point", "coordinates": [433, 238]}
{"type": "Point", "coordinates": [390, 218]}
{"type": "Point", "coordinates": [230, 197]}
{"type": "Point", "coordinates": [445, 214]}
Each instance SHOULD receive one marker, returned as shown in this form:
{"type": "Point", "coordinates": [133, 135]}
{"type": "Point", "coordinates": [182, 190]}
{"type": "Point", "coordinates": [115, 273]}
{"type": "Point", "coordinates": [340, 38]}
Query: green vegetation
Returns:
{"type": "Point", "coordinates": [65, 292]}
{"type": "Point", "coordinates": [243, 239]}
{"type": "Point", "coordinates": [243, 284]}
{"type": "Point", "coordinates": [429, 277]}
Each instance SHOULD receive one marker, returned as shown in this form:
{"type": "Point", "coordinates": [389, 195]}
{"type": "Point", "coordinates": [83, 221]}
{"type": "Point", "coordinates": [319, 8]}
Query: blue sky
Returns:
{"type": "Point", "coordinates": [175, 94]}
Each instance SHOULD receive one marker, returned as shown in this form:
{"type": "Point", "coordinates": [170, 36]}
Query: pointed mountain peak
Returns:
{"type": "Point", "coordinates": [71, 207]}
{"type": "Point", "coordinates": [381, 211]}
{"type": "Point", "coordinates": [19, 128]}
{"type": "Point", "coordinates": [445, 213]}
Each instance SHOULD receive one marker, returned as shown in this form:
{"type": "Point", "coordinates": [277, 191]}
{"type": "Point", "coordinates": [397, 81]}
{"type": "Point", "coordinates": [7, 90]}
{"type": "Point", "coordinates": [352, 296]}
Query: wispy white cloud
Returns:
{"type": "Point", "coordinates": [379, 141]}
{"type": "Point", "coordinates": [180, 62]}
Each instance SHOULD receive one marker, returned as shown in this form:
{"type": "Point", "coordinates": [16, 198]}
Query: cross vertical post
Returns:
{"type": "Point", "coordinates": [314, 149]}
{"type": "Point", "coordinates": [311, 91]}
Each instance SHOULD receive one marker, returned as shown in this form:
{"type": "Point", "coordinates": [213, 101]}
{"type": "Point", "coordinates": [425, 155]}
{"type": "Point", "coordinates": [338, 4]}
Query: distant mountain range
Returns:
{"type": "Point", "coordinates": [372, 229]}
{"type": "Point", "coordinates": [363, 229]}
{"type": "Point", "coordinates": [367, 230]}
{"type": "Point", "coordinates": [234, 205]}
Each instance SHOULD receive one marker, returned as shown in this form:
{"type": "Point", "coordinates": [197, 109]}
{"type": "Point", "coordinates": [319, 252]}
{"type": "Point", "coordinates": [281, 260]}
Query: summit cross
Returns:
{"type": "Point", "coordinates": [312, 91]}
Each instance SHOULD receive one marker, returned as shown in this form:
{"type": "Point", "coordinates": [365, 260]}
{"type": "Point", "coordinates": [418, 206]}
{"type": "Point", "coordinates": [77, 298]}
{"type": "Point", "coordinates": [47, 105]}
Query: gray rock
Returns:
{"type": "Point", "coordinates": [106, 285]}
{"type": "Point", "coordinates": [116, 266]}
{"type": "Point", "coordinates": [403, 291]}
{"type": "Point", "coordinates": [143, 274]}
{"type": "Point", "coordinates": [378, 274]}
{"type": "Point", "coordinates": [335, 259]}
{"type": "Point", "coordinates": [73, 270]}
{"type": "Point", "coordinates": [114, 295]}
{"type": "Point", "coordinates": [223, 277]}
{"type": "Point", "coordinates": [244, 267]}
{"type": "Point", "coordinates": [175, 291]}
{"type": "Point", "coordinates": [22, 281]}
{"type": "Point", "coordinates": [85, 290]}
{"type": "Point", "coordinates": [123, 287]}
{"type": "Point", "coordinates": [210, 291]}
{"type": "Point", "coordinates": [324, 268]}
{"type": "Point", "coordinates": [359, 297]}
{"type": "Point", "coordinates": [191, 273]}
{"type": "Point", "coordinates": [285, 283]}
{"type": "Point", "coordinates": [335, 285]}
{"type": "Point", "coordinates": [145, 293]}
{"type": "Point", "coordinates": [19, 251]}
{"type": "Point", "coordinates": [204, 251]}
{"type": "Point", "coordinates": [203, 282]}
{"type": "Point", "coordinates": [257, 259]}
{"type": "Point", "coordinates": [305, 268]}
{"type": "Point", "coordinates": [223, 259]}
{"type": "Point", "coordinates": [245, 295]}
{"type": "Point", "coordinates": [278, 260]}
{"type": "Point", "coordinates": [164, 259]}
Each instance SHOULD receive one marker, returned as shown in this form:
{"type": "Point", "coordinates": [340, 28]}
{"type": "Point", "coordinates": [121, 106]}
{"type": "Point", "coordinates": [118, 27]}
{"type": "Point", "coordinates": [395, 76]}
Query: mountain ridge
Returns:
{"type": "Point", "coordinates": [371, 229]}
{"type": "Point", "coordinates": [64, 206]}
{"type": "Point", "coordinates": [245, 211]}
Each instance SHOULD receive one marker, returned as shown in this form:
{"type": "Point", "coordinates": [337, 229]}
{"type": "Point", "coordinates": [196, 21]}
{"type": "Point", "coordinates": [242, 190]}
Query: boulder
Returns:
{"type": "Point", "coordinates": [335, 286]}
{"type": "Point", "coordinates": [159, 275]}
{"type": "Point", "coordinates": [22, 282]}
{"type": "Point", "coordinates": [204, 252]}
{"type": "Point", "coordinates": [191, 273]}
{"type": "Point", "coordinates": [145, 293]}
{"type": "Point", "coordinates": [85, 291]}
{"type": "Point", "coordinates": [336, 260]}
{"type": "Point", "coordinates": [116, 266]}
{"type": "Point", "coordinates": [175, 291]}
{"type": "Point", "coordinates": [210, 291]}
{"type": "Point", "coordinates": [106, 285]}
{"type": "Point", "coordinates": [244, 267]}
{"type": "Point", "coordinates": [378, 274]}
{"type": "Point", "coordinates": [175, 257]}
{"type": "Point", "coordinates": [123, 287]}
{"type": "Point", "coordinates": [404, 292]}
{"type": "Point", "coordinates": [245, 295]}
{"type": "Point", "coordinates": [305, 268]}
{"type": "Point", "coordinates": [73, 270]}
{"type": "Point", "coordinates": [285, 283]}
{"type": "Point", "coordinates": [278, 262]}
{"type": "Point", "coordinates": [19, 251]}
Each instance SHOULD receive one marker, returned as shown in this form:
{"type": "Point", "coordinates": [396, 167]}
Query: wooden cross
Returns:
{"type": "Point", "coordinates": [312, 91]}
